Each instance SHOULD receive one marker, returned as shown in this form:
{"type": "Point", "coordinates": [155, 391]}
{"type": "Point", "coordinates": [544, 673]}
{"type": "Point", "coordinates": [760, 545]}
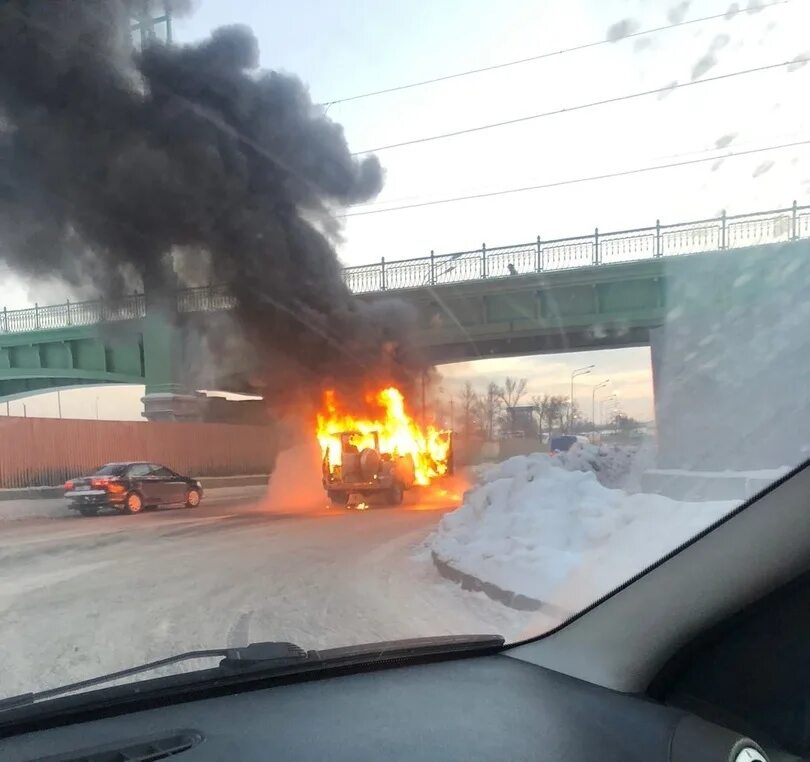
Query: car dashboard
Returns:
{"type": "Point", "coordinates": [491, 707]}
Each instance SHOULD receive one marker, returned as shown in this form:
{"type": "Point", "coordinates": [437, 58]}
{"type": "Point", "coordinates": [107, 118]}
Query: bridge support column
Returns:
{"type": "Point", "coordinates": [731, 363]}
{"type": "Point", "coordinates": [168, 396]}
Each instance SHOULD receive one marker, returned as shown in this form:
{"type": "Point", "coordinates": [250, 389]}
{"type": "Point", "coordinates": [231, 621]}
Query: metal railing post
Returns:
{"type": "Point", "coordinates": [794, 226]}
{"type": "Point", "coordinates": [768, 225]}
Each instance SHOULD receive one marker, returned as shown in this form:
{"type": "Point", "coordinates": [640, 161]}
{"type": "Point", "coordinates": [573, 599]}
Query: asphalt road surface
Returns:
{"type": "Point", "coordinates": [84, 596]}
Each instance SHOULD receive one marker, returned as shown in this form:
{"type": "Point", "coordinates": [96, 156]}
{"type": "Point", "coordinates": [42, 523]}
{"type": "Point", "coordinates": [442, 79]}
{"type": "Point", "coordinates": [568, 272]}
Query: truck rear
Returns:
{"type": "Point", "coordinates": [355, 475]}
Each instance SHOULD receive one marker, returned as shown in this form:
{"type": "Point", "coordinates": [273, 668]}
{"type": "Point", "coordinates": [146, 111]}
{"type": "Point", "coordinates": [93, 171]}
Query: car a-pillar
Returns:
{"type": "Point", "coordinates": [168, 396]}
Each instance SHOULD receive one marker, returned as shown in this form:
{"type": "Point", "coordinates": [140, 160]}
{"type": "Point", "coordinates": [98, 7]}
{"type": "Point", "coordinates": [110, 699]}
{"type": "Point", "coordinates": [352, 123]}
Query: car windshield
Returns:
{"type": "Point", "coordinates": [111, 469]}
{"type": "Point", "coordinates": [411, 319]}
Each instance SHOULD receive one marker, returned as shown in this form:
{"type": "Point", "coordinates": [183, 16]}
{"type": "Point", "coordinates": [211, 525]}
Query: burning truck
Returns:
{"type": "Point", "coordinates": [380, 455]}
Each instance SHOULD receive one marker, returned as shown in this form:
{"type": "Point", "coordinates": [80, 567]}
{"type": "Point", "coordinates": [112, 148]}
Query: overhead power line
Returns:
{"type": "Point", "coordinates": [552, 53]}
{"type": "Point", "coordinates": [756, 140]}
{"type": "Point", "coordinates": [578, 180]}
{"type": "Point", "coordinates": [583, 106]}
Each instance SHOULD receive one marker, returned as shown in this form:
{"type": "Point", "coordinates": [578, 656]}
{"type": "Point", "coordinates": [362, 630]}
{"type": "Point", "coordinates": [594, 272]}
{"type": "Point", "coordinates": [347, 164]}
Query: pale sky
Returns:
{"type": "Point", "coordinates": [343, 49]}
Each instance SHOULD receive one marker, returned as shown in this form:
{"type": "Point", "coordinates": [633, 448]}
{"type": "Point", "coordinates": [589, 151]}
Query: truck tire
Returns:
{"type": "Point", "coordinates": [338, 499]}
{"type": "Point", "coordinates": [369, 464]}
{"type": "Point", "coordinates": [395, 494]}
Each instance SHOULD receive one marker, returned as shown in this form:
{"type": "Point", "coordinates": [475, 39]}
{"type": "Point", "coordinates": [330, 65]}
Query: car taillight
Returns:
{"type": "Point", "coordinates": [68, 485]}
{"type": "Point", "coordinates": [107, 483]}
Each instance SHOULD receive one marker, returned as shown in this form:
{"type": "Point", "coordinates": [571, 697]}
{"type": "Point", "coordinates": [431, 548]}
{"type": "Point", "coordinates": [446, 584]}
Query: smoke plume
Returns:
{"type": "Point", "coordinates": [115, 162]}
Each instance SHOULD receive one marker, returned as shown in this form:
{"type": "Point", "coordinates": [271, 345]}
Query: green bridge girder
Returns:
{"type": "Point", "coordinates": [63, 357]}
{"type": "Point", "coordinates": [571, 310]}
{"type": "Point", "coordinates": [585, 308]}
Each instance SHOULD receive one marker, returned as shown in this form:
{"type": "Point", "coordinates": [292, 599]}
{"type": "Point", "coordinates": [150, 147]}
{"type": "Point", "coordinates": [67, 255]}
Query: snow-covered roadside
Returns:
{"type": "Point", "coordinates": [614, 465]}
{"type": "Point", "coordinates": [532, 525]}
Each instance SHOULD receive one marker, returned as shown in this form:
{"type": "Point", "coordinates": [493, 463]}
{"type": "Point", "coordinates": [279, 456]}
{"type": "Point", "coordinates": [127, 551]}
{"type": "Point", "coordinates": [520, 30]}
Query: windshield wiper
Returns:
{"type": "Point", "coordinates": [271, 653]}
{"type": "Point", "coordinates": [272, 657]}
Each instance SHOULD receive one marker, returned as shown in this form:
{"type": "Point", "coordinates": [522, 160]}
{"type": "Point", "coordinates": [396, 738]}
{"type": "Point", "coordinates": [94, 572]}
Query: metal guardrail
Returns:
{"type": "Point", "coordinates": [72, 314]}
{"type": "Point", "coordinates": [205, 299]}
{"type": "Point", "coordinates": [714, 234]}
{"type": "Point", "coordinates": [597, 248]}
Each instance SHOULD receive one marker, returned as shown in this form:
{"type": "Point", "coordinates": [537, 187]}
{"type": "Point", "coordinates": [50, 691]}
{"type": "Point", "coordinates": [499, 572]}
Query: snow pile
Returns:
{"type": "Point", "coordinates": [610, 463]}
{"type": "Point", "coordinates": [559, 536]}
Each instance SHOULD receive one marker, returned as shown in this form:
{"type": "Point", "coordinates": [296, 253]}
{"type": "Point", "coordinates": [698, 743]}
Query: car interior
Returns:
{"type": "Point", "coordinates": [701, 657]}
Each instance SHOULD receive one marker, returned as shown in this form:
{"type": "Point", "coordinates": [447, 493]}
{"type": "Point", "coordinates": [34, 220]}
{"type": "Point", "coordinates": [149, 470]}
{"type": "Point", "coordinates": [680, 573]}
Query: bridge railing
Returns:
{"type": "Point", "coordinates": [205, 299]}
{"type": "Point", "coordinates": [40, 318]}
{"type": "Point", "coordinates": [597, 248]}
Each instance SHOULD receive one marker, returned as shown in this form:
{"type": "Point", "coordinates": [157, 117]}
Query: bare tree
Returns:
{"type": "Point", "coordinates": [509, 395]}
{"type": "Point", "coordinates": [571, 415]}
{"type": "Point", "coordinates": [552, 410]}
{"type": "Point", "coordinates": [512, 391]}
{"type": "Point", "coordinates": [560, 410]}
{"type": "Point", "coordinates": [490, 408]}
{"type": "Point", "coordinates": [470, 403]}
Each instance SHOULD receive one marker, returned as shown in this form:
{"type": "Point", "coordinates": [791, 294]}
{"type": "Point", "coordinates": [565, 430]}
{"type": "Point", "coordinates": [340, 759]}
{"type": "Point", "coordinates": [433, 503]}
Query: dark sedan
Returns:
{"type": "Point", "coordinates": [131, 487]}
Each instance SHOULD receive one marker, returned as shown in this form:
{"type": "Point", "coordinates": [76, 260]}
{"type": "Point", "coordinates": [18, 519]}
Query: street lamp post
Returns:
{"type": "Point", "coordinates": [593, 402]}
{"type": "Point", "coordinates": [578, 372]}
{"type": "Point", "coordinates": [602, 403]}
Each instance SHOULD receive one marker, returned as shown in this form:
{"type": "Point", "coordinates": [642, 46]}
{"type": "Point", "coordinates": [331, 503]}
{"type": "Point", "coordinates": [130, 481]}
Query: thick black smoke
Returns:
{"type": "Point", "coordinates": [112, 162]}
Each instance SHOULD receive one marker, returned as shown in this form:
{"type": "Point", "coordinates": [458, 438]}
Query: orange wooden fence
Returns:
{"type": "Point", "coordinates": [47, 451]}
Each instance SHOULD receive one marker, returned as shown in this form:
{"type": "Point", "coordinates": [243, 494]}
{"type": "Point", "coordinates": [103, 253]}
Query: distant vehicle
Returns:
{"type": "Point", "coordinates": [564, 442]}
{"type": "Point", "coordinates": [130, 487]}
{"type": "Point", "coordinates": [518, 434]}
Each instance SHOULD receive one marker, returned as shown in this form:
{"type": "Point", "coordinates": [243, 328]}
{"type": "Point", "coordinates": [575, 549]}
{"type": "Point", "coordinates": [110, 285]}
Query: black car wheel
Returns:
{"type": "Point", "coordinates": [193, 498]}
{"type": "Point", "coordinates": [88, 510]}
{"type": "Point", "coordinates": [133, 503]}
{"type": "Point", "coordinates": [338, 499]}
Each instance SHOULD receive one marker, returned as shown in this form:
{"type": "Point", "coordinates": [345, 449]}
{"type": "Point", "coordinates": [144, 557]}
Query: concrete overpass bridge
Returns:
{"type": "Point", "coordinates": [595, 291]}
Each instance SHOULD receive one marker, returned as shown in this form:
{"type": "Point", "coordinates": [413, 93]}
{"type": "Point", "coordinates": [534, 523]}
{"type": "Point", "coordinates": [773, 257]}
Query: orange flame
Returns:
{"type": "Point", "coordinates": [397, 432]}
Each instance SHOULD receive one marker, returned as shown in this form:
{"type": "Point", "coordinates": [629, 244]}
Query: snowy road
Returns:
{"type": "Point", "coordinates": [80, 597]}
